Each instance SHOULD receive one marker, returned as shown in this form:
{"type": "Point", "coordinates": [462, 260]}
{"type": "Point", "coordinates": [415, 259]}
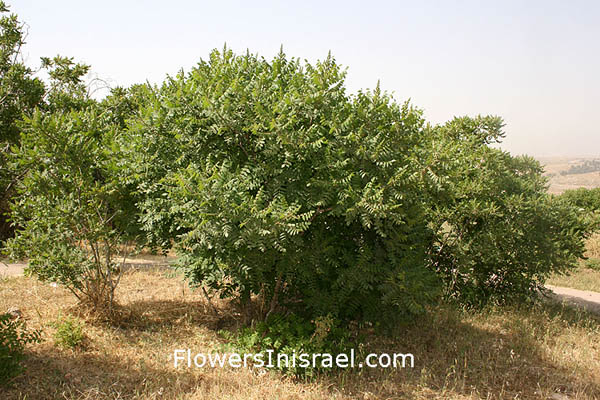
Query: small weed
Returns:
{"type": "Point", "coordinates": [69, 332]}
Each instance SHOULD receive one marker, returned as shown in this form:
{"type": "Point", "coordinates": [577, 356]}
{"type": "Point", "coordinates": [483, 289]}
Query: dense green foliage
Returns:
{"type": "Point", "coordinates": [14, 336]}
{"type": "Point", "coordinates": [587, 199]}
{"type": "Point", "coordinates": [280, 185]}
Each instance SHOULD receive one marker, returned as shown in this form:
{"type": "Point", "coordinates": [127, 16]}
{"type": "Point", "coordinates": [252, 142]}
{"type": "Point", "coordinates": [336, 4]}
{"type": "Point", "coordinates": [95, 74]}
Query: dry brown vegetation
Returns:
{"type": "Point", "coordinates": [582, 278]}
{"type": "Point", "coordinates": [592, 246]}
{"type": "Point", "coordinates": [526, 353]}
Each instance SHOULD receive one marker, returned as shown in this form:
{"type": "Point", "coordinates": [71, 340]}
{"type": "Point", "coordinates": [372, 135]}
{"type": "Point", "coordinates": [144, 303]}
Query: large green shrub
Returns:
{"type": "Point", "coordinates": [282, 191]}
{"type": "Point", "coordinates": [273, 182]}
{"type": "Point", "coordinates": [281, 185]}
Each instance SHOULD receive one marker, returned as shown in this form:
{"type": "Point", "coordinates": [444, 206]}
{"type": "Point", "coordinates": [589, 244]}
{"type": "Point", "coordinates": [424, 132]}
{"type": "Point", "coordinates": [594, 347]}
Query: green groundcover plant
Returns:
{"type": "Point", "coordinates": [69, 332]}
{"type": "Point", "coordinates": [288, 337]}
{"type": "Point", "coordinates": [14, 336]}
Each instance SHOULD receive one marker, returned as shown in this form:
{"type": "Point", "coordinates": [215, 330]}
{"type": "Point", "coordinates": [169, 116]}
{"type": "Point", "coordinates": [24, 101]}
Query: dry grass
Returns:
{"type": "Point", "coordinates": [582, 278]}
{"type": "Point", "coordinates": [592, 246]}
{"type": "Point", "coordinates": [528, 353]}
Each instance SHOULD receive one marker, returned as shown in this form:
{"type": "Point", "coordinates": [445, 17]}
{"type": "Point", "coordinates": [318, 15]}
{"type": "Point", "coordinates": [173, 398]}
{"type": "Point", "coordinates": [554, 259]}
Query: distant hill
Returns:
{"type": "Point", "coordinates": [571, 172]}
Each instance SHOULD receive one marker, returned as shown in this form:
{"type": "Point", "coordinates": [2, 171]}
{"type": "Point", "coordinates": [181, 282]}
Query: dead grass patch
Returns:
{"type": "Point", "coordinates": [592, 246]}
{"type": "Point", "coordinates": [525, 353]}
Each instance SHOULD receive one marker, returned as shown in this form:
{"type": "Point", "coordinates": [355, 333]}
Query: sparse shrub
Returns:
{"type": "Point", "coordinates": [61, 194]}
{"type": "Point", "coordinates": [14, 336]}
{"type": "Point", "coordinates": [69, 332]}
{"type": "Point", "coordinates": [21, 93]}
{"type": "Point", "coordinates": [73, 210]}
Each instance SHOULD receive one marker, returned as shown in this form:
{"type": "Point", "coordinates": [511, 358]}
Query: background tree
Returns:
{"type": "Point", "coordinates": [499, 233]}
{"type": "Point", "coordinates": [72, 210]}
{"type": "Point", "coordinates": [20, 92]}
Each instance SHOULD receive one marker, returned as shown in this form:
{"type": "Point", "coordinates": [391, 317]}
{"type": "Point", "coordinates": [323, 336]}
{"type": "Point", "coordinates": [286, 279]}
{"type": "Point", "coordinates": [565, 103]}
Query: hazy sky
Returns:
{"type": "Point", "coordinates": [535, 63]}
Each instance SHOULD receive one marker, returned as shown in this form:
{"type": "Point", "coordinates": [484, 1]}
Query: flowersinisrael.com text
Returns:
{"type": "Point", "coordinates": [270, 359]}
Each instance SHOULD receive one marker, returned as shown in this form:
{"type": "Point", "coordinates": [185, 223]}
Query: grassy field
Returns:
{"type": "Point", "coordinates": [527, 353]}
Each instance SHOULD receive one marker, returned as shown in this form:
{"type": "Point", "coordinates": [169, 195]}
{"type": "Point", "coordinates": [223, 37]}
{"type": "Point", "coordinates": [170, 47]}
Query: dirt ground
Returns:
{"type": "Point", "coordinates": [585, 298]}
{"type": "Point", "coordinates": [11, 269]}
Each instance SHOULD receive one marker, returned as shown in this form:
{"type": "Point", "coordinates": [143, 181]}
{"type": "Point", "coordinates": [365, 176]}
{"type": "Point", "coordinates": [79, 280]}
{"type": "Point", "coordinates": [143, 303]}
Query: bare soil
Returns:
{"type": "Point", "coordinates": [584, 298]}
